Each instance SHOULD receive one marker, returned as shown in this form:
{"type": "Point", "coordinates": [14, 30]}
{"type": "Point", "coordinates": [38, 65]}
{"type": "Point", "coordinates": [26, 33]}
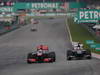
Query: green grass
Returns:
{"type": "Point", "coordinates": [81, 34]}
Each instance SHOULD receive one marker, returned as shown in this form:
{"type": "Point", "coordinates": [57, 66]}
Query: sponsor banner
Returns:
{"type": "Point", "coordinates": [6, 9]}
{"type": "Point", "coordinates": [97, 49]}
{"type": "Point", "coordinates": [77, 4]}
{"type": "Point", "coordinates": [46, 5]}
{"type": "Point", "coordinates": [93, 46]}
{"type": "Point", "coordinates": [89, 41]}
{"type": "Point", "coordinates": [88, 15]}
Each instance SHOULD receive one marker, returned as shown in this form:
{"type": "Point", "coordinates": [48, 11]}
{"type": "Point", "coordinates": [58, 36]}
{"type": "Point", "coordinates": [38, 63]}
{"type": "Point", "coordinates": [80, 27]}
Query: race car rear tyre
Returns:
{"type": "Point", "coordinates": [53, 56]}
{"type": "Point", "coordinates": [69, 53]}
{"type": "Point", "coordinates": [29, 62]}
{"type": "Point", "coordinates": [69, 58]}
{"type": "Point", "coordinates": [89, 57]}
{"type": "Point", "coordinates": [88, 52]}
{"type": "Point", "coordinates": [28, 57]}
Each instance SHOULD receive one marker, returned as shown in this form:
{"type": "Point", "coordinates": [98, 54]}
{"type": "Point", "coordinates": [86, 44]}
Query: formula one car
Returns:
{"type": "Point", "coordinates": [51, 18]}
{"type": "Point", "coordinates": [35, 21]}
{"type": "Point", "coordinates": [41, 55]}
{"type": "Point", "coordinates": [33, 29]}
{"type": "Point", "coordinates": [78, 52]}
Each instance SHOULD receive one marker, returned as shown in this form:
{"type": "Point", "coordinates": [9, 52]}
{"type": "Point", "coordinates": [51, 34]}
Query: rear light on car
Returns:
{"type": "Point", "coordinates": [47, 59]}
{"type": "Point", "coordinates": [33, 60]}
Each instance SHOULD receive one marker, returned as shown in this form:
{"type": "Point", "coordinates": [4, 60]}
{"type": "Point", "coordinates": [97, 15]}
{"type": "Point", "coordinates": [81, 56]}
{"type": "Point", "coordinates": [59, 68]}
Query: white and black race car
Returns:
{"type": "Point", "coordinates": [78, 52]}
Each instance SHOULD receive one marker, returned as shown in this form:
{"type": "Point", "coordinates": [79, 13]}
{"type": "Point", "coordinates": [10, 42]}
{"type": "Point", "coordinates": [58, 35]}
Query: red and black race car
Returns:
{"type": "Point", "coordinates": [41, 55]}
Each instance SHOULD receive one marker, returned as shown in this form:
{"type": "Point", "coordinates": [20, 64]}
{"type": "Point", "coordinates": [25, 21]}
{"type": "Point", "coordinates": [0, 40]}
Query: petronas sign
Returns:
{"type": "Point", "coordinates": [44, 5]}
{"type": "Point", "coordinates": [24, 5]}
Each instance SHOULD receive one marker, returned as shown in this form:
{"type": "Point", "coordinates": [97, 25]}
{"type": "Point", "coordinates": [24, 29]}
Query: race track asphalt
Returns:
{"type": "Point", "coordinates": [15, 45]}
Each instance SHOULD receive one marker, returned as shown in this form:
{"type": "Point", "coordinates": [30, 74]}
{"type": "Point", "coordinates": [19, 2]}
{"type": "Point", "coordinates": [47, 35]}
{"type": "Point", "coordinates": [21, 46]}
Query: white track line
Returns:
{"type": "Point", "coordinates": [68, 31]}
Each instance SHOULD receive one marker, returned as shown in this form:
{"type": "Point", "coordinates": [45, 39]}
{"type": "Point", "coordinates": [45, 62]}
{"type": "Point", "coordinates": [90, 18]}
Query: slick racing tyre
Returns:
{"type": "Point", "coordinates": [31, 56]}
{"type": "Point", "coordinates": [28, 57]}
{"type": "Point", "coordinates": [53, 56]}
{"type": "Point", "coordinates": [69, 53]}
{"type": "Point", "coordinates": [88, 52]}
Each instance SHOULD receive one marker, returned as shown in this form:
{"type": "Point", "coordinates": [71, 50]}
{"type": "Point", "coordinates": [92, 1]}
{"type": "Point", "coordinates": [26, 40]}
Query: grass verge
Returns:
{"type": "Point", "coordinates": [81, 34]}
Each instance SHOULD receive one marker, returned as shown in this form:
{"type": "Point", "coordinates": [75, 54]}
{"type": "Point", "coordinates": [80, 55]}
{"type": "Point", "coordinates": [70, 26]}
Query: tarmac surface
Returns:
{"type": "Point", "coordinates": [15, 46]}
